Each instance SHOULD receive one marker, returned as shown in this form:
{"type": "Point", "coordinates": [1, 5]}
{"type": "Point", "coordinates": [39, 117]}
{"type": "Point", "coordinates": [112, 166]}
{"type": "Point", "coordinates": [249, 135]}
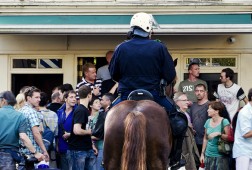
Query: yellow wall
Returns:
{"type": "Point", "coordinates": [4, 73]}
{"type": "Point", "coordinates": [72, 46]}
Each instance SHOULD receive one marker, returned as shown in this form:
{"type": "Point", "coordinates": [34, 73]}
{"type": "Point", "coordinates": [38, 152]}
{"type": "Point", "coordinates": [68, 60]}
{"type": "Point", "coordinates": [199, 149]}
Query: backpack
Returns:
{"type": "Point", "coordinates": [48, 136]}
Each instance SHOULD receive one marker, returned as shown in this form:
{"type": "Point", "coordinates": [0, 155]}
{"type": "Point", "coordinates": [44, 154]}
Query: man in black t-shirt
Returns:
{"type": "Point", "coordinates": [82, 151]}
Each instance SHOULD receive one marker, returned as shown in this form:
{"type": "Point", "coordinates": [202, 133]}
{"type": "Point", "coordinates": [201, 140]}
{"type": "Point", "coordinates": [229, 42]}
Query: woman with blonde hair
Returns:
{"type": "Point", "coordinates": [20, 101]}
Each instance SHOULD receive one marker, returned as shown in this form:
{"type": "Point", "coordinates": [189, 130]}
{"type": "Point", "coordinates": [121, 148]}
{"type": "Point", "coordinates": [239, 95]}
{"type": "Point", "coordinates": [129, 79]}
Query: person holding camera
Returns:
{"type": "Point", "coordinates": [65, 118]}
{"type": "Point", "coordinates": [12, 129]}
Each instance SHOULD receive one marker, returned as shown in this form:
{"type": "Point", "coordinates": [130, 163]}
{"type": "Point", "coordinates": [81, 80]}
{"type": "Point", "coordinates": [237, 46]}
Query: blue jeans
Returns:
{"type": "Point", "coordinates": [6, 161]}
{"type": "Point", "coordinates": [82, 160]}
{"type": "Point", "coordinates": [64, 159]}
{"type": "Point", "coordinates": [163, 101]}
{"type": "Point", "coordinates": [99, 160]}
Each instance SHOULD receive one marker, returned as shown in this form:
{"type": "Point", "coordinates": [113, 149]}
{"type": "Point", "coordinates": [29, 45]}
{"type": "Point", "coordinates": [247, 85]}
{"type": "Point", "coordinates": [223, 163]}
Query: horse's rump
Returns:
{"type": "Point", "coordinates": [146, 120]}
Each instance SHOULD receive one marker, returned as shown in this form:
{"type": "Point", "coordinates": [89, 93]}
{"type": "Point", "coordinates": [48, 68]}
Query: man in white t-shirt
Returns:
{"type": "Point", "coordinates": [229, 93]}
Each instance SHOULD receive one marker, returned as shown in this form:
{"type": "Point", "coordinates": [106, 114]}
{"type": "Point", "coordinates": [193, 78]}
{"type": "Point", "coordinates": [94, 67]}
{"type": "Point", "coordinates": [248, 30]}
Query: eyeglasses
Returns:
{"type": "Point", "coordinates": [185, 100]}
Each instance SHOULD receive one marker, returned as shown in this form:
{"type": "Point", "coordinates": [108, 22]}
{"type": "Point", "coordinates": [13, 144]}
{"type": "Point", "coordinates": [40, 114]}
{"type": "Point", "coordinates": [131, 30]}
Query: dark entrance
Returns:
{"type": "Point", "coordinates": [212, 79]}
{"type": "Point", "coordinates": [97, 61]}
{"type": "Point", "coordinates": [45, 82]}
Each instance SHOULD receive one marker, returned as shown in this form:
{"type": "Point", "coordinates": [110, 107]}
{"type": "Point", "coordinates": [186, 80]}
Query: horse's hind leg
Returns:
{"type": "Point", "coordinates": [157, 165]}
{"type": "Point", "coordinates": [113, 162]}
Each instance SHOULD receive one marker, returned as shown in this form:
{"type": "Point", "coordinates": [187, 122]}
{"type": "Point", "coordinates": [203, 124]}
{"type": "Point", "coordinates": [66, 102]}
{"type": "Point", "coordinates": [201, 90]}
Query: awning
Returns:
{"type": "Point", "coordinates": [119, 24]}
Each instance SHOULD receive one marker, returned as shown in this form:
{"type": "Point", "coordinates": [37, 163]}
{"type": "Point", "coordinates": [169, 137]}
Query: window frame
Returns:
{"type": "Point", "coordinates": [37, 69]}
{"type": "Point", "coordinates": [211, 56]}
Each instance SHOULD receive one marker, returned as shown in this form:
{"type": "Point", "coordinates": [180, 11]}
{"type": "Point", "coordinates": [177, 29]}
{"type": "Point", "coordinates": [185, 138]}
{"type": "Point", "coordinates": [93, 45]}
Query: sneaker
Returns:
{"type": "Point", "coordinates": [178, 164]}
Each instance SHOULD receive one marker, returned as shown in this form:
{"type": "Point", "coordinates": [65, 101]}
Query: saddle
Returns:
{"type": "Point", "coordinates": [140, 94]}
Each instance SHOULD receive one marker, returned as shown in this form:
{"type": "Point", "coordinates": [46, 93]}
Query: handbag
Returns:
{"type": "Point", "coordinates": [202, 166]}
{"type": "Point", "coordinates": [231, 134]}
{"type": "Point", "coordinates": [224, 146]}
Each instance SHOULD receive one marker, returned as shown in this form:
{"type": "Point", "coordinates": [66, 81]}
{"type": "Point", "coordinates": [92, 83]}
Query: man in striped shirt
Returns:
{"type": "Point", "coordinates": [90, 80]}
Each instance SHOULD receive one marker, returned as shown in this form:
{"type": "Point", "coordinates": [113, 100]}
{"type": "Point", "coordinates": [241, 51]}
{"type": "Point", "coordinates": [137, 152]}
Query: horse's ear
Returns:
{"type": "Point", "coordinates": [175, 62]}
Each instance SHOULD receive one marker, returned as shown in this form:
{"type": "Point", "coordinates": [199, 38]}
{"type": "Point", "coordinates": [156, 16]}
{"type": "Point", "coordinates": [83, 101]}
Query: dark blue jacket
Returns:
{"type": "Point", "coordinates": [141, 63]}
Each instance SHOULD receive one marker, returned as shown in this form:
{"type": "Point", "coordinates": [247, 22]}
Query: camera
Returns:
{"type": "Point", "coordinates": [231, 40]}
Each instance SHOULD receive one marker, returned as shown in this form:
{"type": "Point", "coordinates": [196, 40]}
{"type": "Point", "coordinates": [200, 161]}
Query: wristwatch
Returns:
{"type": "Point", "coordinates": [33, 153]}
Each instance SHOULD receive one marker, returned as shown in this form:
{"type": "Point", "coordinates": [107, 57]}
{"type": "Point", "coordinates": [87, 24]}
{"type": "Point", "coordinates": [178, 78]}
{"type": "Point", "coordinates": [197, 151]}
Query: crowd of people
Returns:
{"type": "Point", "coordinates": [208, 121]}
{"type": "Point", "coordinates": [62, 126]}
{"type": "Point", "coordinates": [72, 124]}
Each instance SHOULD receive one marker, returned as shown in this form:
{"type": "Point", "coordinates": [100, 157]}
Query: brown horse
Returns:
{"type": "Point", "coordinates": [138, 136]}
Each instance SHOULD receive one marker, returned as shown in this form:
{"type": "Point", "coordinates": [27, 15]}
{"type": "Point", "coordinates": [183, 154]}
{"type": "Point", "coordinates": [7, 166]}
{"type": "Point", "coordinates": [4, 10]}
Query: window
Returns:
{"type": "Point", "coordinates": [24, 63]}
{"type": "Point", "coordinates": [42, 71]}
{"type": "Point", "coordinates": [40, 63]}
{"type": "Point", "coordinates": [213, 61]}
{"type": "Point", "coordinates": [50, 63]}
{"type": "Point", "coordinates": [229, 62]}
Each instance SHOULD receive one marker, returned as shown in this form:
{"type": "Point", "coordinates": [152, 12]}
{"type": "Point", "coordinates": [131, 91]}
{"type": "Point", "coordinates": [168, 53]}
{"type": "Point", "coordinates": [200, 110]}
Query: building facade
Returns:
{"type": "Point", "coordinates": [45, 42]}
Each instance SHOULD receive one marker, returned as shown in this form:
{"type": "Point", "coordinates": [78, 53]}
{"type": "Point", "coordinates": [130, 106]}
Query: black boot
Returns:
{"type": "Point", "coordinates": [176, 160]}
{"type": "Point", "coordinates": [179, 126]}
{"type": "Point", "coordinates": [178, 165]}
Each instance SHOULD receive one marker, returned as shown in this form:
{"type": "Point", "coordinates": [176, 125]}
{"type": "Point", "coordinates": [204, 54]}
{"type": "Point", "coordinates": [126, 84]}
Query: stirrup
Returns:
{"type": "Point", "coordinates": [178, 164]}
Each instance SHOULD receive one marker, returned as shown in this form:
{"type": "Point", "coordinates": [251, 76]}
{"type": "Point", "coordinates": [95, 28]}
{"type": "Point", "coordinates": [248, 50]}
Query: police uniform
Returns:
{"type": "Point", "coordinates": [140, 63]}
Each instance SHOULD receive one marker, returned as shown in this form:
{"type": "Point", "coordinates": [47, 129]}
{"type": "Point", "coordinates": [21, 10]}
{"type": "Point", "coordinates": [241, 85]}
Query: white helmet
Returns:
{"type": "Point", "coordinates": [143, 21]}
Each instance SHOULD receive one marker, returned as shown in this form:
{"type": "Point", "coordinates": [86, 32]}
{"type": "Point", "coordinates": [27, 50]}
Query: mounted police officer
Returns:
{"type": "Point", "coordinates": [141, 63]}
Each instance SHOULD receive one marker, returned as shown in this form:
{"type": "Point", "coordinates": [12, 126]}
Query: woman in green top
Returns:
{"type": "Point", "coordinates": [95, 106]}
{"type": "Point", "coordinates": [213, 131]}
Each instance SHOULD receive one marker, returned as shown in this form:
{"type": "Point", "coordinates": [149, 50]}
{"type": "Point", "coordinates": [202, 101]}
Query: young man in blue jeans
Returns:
{"type": "Point", "coordinates": [82, 151]}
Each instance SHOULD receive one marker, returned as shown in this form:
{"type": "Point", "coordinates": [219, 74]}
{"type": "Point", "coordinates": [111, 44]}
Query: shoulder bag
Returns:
{"type": "Point", "coordinates": [224, 146]}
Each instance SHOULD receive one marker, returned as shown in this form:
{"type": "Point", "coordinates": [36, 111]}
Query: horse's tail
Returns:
{"type": "Point", "coordinates": [134, 147]}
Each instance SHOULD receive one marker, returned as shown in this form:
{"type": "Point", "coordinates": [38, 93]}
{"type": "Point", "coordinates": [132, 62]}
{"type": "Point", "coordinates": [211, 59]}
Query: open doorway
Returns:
{"type": "Point", "coordinates": [212, 79]}
{"type": "Point", "coordinates": [97, 61]}
{"type": "Point", "coordinates": [45, 82]}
